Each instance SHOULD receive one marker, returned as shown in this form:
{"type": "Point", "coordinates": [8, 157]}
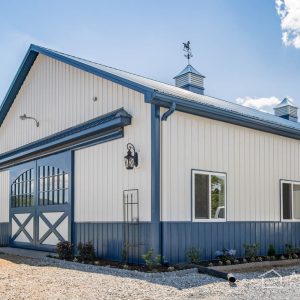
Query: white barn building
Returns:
{"type": "Point", "coordinates": [208, 173]}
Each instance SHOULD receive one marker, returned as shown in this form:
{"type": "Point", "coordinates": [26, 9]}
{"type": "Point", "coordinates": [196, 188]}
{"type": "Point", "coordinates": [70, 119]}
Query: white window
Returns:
{"type": "Point", "coordinates": [290, 200]}
{"type": "Point", "coordinates": [208, 196]}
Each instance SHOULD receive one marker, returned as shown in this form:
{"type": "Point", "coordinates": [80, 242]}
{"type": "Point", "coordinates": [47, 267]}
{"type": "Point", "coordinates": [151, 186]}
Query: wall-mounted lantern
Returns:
{"type": "Point", "coordinates": [131, 159]}
{"type": "Point", "coordinates": [25, 117]}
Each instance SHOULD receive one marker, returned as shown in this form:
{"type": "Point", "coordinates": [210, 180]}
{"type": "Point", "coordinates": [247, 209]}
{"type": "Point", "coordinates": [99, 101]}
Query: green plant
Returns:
{"type": "Point", "coordinates": [64, 250]}
{"type": "Point", "coordinates": [194, 255]}
{"type": "Point", "coordinates": [290, 250]}
{"type": "Point", "coordinates": [251, 250]}
{"type": "Point", "coordinates": [150, 260]}
{"type": "Point", "coordinates": [86, 251]}
{"type": "Point", "coordinates": [271, 250]}
{"type": "Point", "coordinates": [125, 252]}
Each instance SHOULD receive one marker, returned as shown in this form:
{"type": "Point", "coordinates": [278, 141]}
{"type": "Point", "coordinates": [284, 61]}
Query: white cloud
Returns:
{"type": "Point", "coordinates": [262, 104]}
{"type": "Point", "coordinates": [289, 13]}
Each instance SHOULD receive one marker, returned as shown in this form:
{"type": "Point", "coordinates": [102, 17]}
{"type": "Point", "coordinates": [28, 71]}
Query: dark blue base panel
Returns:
{"type": "Point", "coordinates": [179, 237]}
{"type": "Point", "coordinates": [4, 234]}
{"type": "Point", "coordinates": [109, 241]}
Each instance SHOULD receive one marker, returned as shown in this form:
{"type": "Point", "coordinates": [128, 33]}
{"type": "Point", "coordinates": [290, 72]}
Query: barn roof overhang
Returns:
{"type": "Point", "coordinates": [106, 127]}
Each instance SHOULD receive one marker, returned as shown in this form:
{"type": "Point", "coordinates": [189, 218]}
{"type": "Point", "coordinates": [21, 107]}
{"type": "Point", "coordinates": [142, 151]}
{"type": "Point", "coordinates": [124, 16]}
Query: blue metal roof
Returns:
{"type": "Point", "coordinates": [189, 69]}
{"type": "Point", "coordinates": [160, 93]}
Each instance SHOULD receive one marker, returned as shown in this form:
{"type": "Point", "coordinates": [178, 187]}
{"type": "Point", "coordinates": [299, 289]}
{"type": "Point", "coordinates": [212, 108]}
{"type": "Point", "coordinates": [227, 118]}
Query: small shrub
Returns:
{"type": "Point", "coordinates": [86, 251]}
{"type": "Point", "coordinates": [226, 254]}
{"type": "Point", "coordinates": [150, 260]}
{"type": "Point", "coordinates": [271, 250]}
{"type": "Point", "coordinates": [251, 250]}
{"type": "Point", "coordinates": [194, 255]}
{"type": "Point", "coordinates": [125, 252]}
{"type": "Point", "coordinates": [290, 250]}
{"type": "Point", "coordinates": [64, 250]}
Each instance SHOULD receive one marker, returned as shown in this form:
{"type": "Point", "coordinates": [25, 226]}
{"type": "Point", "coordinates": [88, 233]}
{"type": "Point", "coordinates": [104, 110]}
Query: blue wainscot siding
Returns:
{"type": "Point", "coordinates": [4, 234]}
{"type": "Point", "coordinates": [178, 237]}
{"type": "Point", "coordinates": [108, 239]}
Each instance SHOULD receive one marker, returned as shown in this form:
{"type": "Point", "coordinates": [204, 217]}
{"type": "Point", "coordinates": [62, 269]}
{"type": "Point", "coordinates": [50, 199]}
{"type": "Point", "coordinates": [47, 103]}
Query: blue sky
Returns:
{"type": "Point", "coordinates": [248, 50]}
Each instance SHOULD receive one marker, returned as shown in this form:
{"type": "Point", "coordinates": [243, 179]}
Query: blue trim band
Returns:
{"type": "Point", "coordinates": [78, 135]}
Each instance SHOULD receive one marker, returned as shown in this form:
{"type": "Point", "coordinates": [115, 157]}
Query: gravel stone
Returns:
{"type": "Point", "coordinates": [25, 278]}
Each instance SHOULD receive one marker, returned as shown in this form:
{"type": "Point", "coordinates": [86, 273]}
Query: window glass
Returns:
{"type": "Point", "coordinates": [287, 201]}
{"type": "Point", "coordinates": [53, 185]}
{"type": "Point", "coordinates": [217, 197]}
{"type": "Point", "coordinates": [209, 195]}
{"type": "Point", "coordinates": [22, 190]}
{"type": "Point", "coordinates": [296, 201]}
{"type": "Point", "coordinates": [201, 196]}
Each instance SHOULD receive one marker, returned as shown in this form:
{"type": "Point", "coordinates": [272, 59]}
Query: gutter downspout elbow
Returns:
{"type": "Point", "coordinates": [169, 112]}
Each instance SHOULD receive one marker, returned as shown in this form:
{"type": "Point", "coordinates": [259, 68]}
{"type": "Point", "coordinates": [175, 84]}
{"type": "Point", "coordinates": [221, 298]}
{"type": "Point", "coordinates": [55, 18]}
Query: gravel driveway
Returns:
{"type": "Point", "coordinates": [24, 278]}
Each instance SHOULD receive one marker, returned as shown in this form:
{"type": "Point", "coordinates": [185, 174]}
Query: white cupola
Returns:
{"type": "Point", "coordinates": [190, 79]}
{"type": "Point", "coordinates": [286, 110]}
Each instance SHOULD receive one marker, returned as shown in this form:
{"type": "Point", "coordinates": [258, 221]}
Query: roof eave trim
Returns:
{"type": "Point", "coordinates": [92, 70]}
{"type": "Point", "coordinates": [17, 82]}
{"type": "Point", "coordinates": [30, 58]}
{"type": "Point", "coordinates": [207, 111]}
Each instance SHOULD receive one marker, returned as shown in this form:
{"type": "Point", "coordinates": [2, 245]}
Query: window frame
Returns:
{"type": "Point", "coordinates": [209, 173]}
{"type": "Point", "coordinates": [292, 204]}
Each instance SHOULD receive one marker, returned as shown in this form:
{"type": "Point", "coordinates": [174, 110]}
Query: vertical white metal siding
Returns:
{"type": "Point", "coordinates": [254, 161]}
{"type": "Point", "coordinates": [4, 196]}
{"type": "Point", "coordinates": [59, 96]}
{"type": "Point", "coordinates": [101, 177]}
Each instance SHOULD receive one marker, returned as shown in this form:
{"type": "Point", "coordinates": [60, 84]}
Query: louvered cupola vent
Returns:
{"type": "Point", "coordinates": [286, 110]}
{"type": "Point", "coordinates": [190, 79]}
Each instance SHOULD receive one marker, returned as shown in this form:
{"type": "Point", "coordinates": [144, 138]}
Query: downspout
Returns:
{"type": "Point", "coordinates": [164, 117]}
{"type": "Point", "coordinates": [169, 112]}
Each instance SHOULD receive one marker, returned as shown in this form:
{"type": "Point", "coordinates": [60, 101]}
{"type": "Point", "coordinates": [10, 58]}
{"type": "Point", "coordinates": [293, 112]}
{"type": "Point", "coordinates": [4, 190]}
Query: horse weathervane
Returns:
{"type": "Point", "coordinates": [188, 50]}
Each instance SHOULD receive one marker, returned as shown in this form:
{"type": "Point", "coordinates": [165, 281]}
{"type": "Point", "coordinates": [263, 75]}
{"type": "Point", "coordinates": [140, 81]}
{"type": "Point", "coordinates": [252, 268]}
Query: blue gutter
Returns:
{"type": "Point", "coordinates": [107, 126]}
{"type": "Point", "coordinates": [212, 112]}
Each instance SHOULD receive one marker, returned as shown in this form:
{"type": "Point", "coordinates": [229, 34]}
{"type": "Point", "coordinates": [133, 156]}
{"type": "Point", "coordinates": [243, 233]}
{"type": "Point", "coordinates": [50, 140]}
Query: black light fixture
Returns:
{"type": "Point", "coordinates": [25, 117]}
{"type": "Point", "coordinates": [131, 159]}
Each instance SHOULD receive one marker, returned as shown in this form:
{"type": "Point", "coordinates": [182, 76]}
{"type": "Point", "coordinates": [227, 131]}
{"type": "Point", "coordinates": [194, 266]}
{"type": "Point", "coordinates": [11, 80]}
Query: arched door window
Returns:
{"type": "Point", "coordinates": [53, 186]}
{"type": "Point", "coordinates": [22, 190]}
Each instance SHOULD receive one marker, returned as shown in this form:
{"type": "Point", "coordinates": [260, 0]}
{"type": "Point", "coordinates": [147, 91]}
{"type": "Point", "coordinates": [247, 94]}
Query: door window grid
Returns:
{"type": "Point", "coordinates": [53, 186]}
{"type": "Point", "coordinates": [22, 190]}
